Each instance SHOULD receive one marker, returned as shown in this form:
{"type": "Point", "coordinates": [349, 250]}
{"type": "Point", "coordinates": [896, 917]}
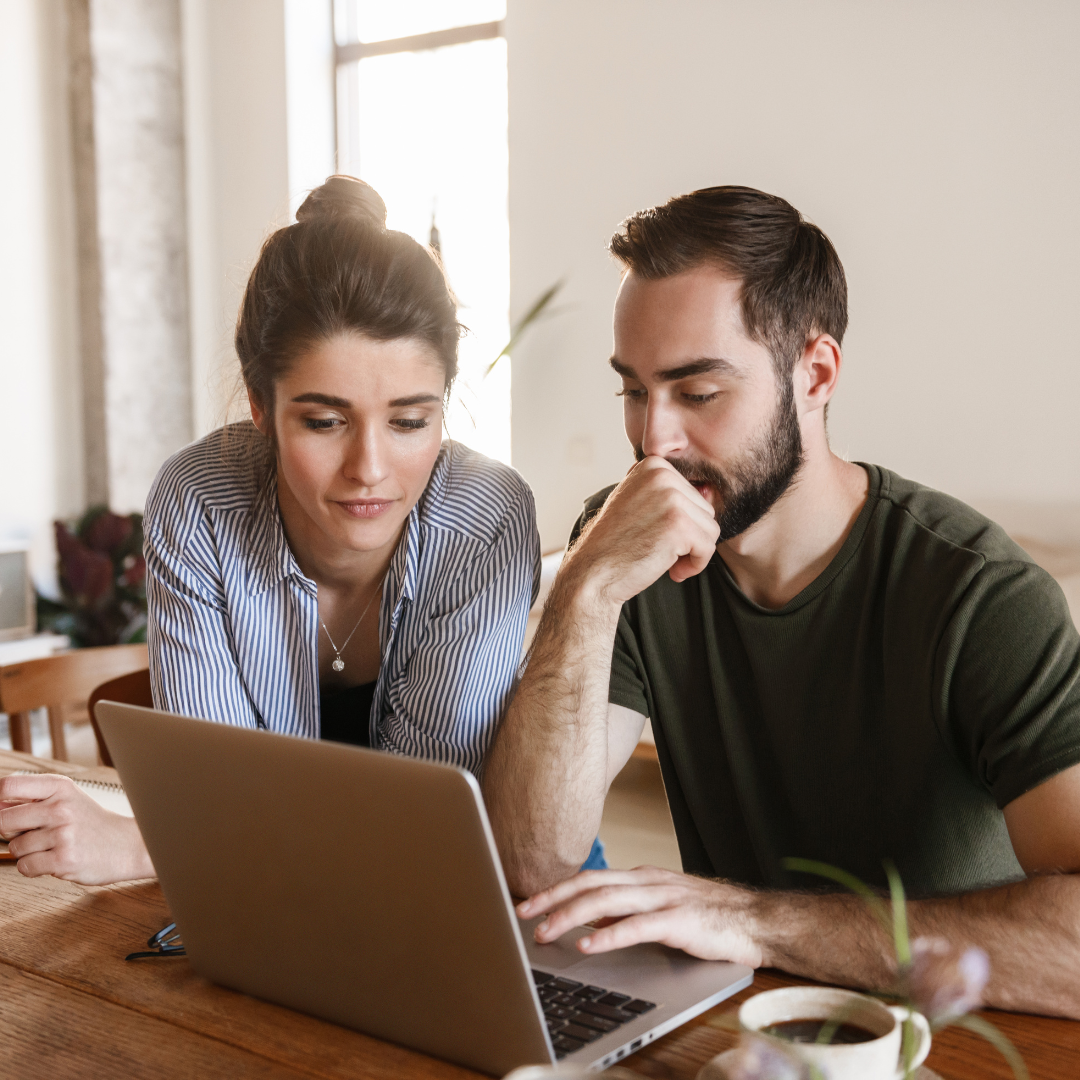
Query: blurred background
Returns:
{"type": "Point", "coordinates": [147, 147]}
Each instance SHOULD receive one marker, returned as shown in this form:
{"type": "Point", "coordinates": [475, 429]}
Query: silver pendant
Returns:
{"type": "Point", "coordinates": [338, 664]}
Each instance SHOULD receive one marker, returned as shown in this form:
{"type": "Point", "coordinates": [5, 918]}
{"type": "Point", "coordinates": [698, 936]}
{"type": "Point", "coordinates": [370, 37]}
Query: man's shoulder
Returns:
{"type": "Point", "coordinates": [945, 521]}
{"type": "Point", "coordinates": [593, 505]}
{"type": "Point", "coordinates": [595, 502]}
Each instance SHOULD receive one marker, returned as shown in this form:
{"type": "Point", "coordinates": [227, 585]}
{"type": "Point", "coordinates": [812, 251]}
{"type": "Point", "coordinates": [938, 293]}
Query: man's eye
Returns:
{"type": "Point", "coordinates": [701, 399]}
{"type": "Point", "coordinates": [631, 393]}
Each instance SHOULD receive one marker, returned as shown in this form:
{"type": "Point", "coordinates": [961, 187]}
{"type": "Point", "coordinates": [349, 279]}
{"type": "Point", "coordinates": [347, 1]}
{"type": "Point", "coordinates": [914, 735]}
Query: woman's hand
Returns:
{"type": "Point", "coordinates": [53, 827]}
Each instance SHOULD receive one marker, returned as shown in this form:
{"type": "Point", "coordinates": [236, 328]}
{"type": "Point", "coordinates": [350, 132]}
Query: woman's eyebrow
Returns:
{"type": "Point", "coordinates": [323, 399]}
{"type": "Point", "coordinates": [414, 399]}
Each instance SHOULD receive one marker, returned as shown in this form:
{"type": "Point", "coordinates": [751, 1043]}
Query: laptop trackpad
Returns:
{"type": "Point", "coordinates": [560, 954]}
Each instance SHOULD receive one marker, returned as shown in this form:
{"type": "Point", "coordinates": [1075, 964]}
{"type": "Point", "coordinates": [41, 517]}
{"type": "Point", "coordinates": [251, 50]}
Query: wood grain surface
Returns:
{"type": "Point", "coordinates": [71, 1006]}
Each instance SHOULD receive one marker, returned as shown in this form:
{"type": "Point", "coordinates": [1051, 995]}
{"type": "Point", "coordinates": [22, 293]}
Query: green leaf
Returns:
{"type": "Point", "coordinates": [849, 881]}
{"type": "Point", "coordinates": [899, 914]}
{"type": "Point", "coordinates": [998, 1041]}
{"type": "Point", "coordinates": [523, 324]}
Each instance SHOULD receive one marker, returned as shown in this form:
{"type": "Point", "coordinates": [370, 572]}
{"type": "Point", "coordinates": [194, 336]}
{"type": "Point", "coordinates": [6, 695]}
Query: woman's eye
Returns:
{"type": "Point", "coordinates": [315, 423]}
{"type": "Point", "coordinates": [407, 424]}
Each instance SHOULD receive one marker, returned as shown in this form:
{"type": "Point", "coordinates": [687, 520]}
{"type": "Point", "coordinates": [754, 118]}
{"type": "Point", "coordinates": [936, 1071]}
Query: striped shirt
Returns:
{"type": "Point", "coordinates": [234, 622]}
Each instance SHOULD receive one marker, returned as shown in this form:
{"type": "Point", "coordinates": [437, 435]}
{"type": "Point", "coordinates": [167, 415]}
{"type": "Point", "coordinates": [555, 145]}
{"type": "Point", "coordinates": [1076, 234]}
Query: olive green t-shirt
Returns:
{"type": "Point", "coordinates": [929, 676]}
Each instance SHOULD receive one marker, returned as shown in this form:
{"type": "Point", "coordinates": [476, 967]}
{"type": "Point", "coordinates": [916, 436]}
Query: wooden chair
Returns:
{"type": "Point", "coordinates": [133, 689]}
{"type": "Point", "coordinates": [57, 683]}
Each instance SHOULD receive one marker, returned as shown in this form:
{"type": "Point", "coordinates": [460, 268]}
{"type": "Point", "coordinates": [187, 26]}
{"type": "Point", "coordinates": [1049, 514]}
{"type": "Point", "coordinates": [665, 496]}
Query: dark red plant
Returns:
{"type": "Point", "coordinates": [102, 577]}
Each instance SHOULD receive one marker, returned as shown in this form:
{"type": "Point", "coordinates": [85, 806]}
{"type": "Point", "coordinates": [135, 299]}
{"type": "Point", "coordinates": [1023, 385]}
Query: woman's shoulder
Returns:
{"type": "Point", "coordinates": [225, 470]}
{"type": "Point", "coordinates": [473, 494]}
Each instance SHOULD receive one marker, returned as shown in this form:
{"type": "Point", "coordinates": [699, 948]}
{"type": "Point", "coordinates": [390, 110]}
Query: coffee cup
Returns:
{"type": "Point", "coordinates": [877, 1027]}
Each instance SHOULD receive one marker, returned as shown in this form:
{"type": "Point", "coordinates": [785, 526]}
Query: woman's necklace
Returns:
{"type": "Point", "coordinates": [339, 664]}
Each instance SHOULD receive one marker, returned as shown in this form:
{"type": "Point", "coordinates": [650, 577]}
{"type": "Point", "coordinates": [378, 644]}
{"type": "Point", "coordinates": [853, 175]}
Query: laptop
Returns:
{"type": "Point", "coordinates": [365, 888]}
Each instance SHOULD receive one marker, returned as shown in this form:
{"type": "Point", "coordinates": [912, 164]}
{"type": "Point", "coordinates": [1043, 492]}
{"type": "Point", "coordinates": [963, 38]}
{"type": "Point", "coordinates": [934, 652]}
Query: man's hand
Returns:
{"type": "Point", "coordinates": [708, 919]}
{"type": "Point", "coordinates": [52, 827]}
{"type": "Point", "coordinates": [653, 522]}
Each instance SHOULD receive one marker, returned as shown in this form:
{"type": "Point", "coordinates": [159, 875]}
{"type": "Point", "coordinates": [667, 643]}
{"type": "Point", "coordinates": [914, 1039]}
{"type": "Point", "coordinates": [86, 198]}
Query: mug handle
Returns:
{"type": "Point", "coordinates": [923, 1029]}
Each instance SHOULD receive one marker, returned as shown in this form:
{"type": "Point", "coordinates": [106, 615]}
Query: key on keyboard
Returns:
{"type": "Point", "coordinates": [577, 1014]}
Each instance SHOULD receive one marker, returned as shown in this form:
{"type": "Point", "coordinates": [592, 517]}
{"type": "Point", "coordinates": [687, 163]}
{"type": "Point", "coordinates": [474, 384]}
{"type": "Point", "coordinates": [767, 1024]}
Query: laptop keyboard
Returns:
{"type": "Point", "coordinates": [577, 1014]}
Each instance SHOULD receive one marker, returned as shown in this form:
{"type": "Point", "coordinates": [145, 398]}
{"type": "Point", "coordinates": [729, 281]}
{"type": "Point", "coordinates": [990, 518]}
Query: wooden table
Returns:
{"type": "Point", "coordinates": [70, 1006]}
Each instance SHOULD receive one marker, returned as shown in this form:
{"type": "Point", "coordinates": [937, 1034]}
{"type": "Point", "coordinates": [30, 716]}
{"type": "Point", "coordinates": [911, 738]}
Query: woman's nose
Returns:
{"type": "Point", "coordinates": [366, 460]}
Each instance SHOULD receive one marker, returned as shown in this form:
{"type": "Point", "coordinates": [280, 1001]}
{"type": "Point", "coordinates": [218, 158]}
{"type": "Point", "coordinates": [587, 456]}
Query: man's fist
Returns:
{"type": "Point", "coordinates": [654, 522]}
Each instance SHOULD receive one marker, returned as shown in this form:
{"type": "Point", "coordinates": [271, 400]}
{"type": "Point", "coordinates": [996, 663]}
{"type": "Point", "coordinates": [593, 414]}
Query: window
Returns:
{"type": "Point", "coordinates": [422, 117]}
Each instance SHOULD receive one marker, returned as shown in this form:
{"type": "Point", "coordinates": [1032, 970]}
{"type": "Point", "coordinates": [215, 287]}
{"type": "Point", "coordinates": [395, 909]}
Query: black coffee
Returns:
{"type": "Point", "coordinates": [807, 1031]}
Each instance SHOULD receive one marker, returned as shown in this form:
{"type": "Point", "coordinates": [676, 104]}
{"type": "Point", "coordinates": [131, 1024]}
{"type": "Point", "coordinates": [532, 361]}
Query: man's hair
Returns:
{"type": "Point", "coordinates": [793, 284]}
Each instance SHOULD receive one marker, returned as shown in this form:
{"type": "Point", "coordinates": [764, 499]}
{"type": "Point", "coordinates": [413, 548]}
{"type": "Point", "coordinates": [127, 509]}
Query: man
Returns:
{"type": "Point", "coordinates": [839, 664]}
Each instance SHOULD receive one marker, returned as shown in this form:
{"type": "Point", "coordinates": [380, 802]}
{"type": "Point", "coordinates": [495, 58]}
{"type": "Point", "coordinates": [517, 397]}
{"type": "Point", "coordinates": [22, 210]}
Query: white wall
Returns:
{"type": "Point", "coordinates": [40, 406]}
{"type": "Point", "coordinates": [935, 142]}
{"type": "Point", "coordinates": [258, 81]}
{"type": "Point", "coordinates": [237, 172]}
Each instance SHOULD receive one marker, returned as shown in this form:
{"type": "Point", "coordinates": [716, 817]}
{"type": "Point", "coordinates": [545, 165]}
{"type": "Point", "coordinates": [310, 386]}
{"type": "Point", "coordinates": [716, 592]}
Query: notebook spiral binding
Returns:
{"type": "Point", "coordinates": [101, 785]}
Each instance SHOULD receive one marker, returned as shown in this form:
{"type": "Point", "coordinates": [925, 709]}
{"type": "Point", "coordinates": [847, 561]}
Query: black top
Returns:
{"type": "Point", "coordinates": [345, 711]}
{"type": "Point", "coordinates": [925, 679]}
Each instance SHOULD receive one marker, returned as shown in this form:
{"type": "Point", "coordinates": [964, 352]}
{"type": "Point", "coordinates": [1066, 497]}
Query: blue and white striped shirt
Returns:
{"type": "Point", "coordinates": [234, 623]}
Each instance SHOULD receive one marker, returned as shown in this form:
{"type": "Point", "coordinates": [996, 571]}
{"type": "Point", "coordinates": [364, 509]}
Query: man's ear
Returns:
{"type": "Point", "coordinates": [817, 373]}
{"type": "Point", "coordinates": [259, 416]}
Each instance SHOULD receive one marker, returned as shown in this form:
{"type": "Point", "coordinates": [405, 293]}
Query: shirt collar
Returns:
{"type": "Point", "coordinates": [271, 559]}
{"type": "Point", "coordinates": [406, 559]}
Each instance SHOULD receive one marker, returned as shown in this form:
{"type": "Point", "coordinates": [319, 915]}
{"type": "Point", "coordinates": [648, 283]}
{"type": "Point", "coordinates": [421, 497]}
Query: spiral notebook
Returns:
{"type": "Point", "coordinates": [110, 796]}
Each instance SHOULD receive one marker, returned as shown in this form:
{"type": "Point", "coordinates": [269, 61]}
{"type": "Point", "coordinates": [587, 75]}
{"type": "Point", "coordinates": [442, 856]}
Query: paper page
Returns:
{"type": "Point", "coordinates": [111, 796]}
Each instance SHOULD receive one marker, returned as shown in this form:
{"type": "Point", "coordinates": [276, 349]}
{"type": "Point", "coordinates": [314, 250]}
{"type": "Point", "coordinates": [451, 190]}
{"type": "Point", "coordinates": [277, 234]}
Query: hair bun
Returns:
{"type": "Point", "coordinates": [344, 197]}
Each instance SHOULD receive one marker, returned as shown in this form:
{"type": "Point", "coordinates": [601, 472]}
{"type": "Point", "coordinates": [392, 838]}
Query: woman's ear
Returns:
{"type": "Point", "coordinates": [259, 416]}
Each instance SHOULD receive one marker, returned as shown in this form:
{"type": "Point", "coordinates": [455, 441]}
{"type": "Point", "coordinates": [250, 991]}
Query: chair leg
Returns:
{"type": "Point", "coordinates": [19, 726]}
{"type": "Point", "coordinates": [56, 730]}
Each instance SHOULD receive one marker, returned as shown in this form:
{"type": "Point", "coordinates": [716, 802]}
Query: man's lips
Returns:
{"type": "Point", "coordinates": [365, 508]}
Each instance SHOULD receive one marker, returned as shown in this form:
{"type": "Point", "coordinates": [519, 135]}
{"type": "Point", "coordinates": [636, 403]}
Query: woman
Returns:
{"type": "Point", "coordinates": [332, 569]}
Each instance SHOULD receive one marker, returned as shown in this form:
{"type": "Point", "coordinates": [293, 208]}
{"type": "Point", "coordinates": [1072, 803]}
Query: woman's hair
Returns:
{"type": "Point", "coordinates": [339, 270]}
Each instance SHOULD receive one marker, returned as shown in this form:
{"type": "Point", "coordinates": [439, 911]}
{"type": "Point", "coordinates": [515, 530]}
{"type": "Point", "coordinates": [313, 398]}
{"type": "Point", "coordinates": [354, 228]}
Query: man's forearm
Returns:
{"type": "Point", "coordinates": [545, 778]}
{"type": "Point", "coordinates": [1030, 929]}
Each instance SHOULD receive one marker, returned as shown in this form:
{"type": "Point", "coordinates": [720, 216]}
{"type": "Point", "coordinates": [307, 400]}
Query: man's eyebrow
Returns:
{"type": "Point", "coordinates": [323, 399]}
{"type": "Point", "coordinates": [704, 365]}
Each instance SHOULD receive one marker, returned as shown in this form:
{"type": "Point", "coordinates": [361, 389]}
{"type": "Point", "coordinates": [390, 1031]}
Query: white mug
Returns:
{"type": "Point", "coordinates": [875, 1059]}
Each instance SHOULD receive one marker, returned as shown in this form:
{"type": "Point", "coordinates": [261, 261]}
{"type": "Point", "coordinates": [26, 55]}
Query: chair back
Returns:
{"type": "Point", "coordinates": [133, 689]}
{"type": "Point", "coordinates": [54, 682]}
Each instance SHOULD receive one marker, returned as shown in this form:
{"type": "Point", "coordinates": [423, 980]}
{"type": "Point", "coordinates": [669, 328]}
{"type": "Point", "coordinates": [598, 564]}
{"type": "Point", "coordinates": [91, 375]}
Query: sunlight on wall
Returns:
{"type": "Point", "coordinates": [432, 140]}
{"type": "Point", "coordinates": [379, 21]}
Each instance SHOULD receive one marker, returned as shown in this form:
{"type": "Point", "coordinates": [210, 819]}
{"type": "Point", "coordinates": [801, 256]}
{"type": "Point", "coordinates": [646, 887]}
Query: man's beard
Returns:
{"type": "Point", "coordinates": [751, 486]}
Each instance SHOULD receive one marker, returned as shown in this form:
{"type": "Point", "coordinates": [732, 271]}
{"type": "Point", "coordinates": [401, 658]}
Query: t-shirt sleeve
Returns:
{"type": "Point", "coordinates": [1009, 662]}
{"type": "Point", "coordinates": [627, 688]}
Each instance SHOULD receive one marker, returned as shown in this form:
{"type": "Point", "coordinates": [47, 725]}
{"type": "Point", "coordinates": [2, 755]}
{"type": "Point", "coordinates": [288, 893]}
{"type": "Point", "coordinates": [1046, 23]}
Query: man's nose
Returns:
{"type": "Point", "coordinates": [663, 434]}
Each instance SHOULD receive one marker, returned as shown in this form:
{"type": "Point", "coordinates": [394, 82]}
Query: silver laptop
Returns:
{"type": "Point", "coordinates": [365, 888]}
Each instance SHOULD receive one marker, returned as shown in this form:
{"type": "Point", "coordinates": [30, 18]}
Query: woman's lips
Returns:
{"type": "Point", "coordinates": [366, 508]}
